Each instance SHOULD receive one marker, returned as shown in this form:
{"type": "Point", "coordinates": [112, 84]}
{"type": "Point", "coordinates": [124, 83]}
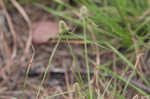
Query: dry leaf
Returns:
{"type": "Point", "coordinates": [42, 31]}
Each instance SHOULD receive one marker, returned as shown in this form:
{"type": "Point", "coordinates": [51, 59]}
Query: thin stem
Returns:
{"type": "Point", "coordinates": [48, 66]}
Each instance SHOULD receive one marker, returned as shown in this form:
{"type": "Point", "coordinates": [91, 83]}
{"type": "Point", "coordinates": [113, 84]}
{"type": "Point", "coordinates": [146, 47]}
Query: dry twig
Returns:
{"type": "Point", "coordinates": [12, 30]}
{"type": "Point", "coordinates": [137, 51]}
{"type": "Point", "coordinates": [27, 19]}
{"type": "Point", "coordinates": [97, 60]}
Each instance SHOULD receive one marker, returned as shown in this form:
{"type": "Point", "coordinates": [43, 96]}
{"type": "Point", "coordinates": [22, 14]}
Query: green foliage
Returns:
{"type": "Point", "coordinates": [116, 17]}
{"type": "Point", "coordinates": [112, 19]}
{"type": "Point", "coordinates": [115, 23]}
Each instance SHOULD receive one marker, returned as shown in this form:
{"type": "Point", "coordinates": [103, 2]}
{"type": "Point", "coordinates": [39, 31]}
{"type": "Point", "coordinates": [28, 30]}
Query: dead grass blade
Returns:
{"type": "Point", "coordinates": [27, 19]}
{"type": "Point", "coordinates": [12, 30]}
{"type": "Point", "coordinates": [14, 35]}
{"type": "Point", "coordinates": [97, 60]}
{"type": "Point", "coordinates": [137, 51]}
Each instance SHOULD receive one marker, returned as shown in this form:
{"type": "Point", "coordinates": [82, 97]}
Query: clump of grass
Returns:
{"type": "Point", "coordinates": [111, 19]}
{"type": "Point", "coordinates": [115, 24]}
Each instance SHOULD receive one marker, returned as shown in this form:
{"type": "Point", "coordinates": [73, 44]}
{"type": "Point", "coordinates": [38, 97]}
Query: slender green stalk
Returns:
{"type": "Point", "coordinates": [48, 66]}
{"type": "Point", "coordinates": [80, 80]}
{"type": "Point", "coordinates": [27, 72]}
{"type": "Point", "coordinates": [86, 58]}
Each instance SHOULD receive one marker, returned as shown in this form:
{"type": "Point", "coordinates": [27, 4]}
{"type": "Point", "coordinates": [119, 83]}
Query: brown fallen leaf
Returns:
{"type": "Point", "coordinates": [42, 31]}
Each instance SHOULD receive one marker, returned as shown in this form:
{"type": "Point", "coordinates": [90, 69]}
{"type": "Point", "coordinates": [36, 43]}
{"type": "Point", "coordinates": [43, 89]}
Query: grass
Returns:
{"type": "Point", "coordinates": [115, 24]}
{"type": "Point", "coordinates": [48, 66]}
{"type": "Point", "coordinates": [83, 19]}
